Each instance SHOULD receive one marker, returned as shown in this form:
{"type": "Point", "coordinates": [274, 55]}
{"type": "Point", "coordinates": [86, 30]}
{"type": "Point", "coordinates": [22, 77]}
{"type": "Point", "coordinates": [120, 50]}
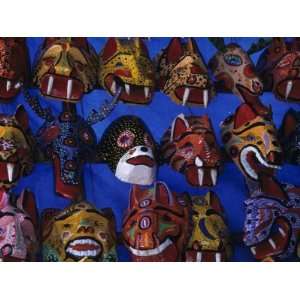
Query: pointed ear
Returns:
{"type": "Point", "coordinates": [289, 123]}
{"type": "Point", "coordinates": [139, 43]}
{"type": "Point", "coordinates": [244, 114]}
{"type": "Point", "coordinates": [192, 46]}
{"type": "Point", "coordinates": [22, 117]}
{"type": "Point", "coordinates": [214, 201]}
{"type": "Point", "coordinates": [162, 193]}
{"type": "Point", "coordinates": [135, 195]}
{"type": "Point", "coordinates": [108, 212]}
{"type": "Point", "coordinates": [278, 45]}
{"type": "Point", "coordinates": [4, 199]}
{"type": "Point", "coordinates": [206, 122]}
{"type": "Point", "coordinates": [174, 50]}
{"type": "Point", "coordinates": [179, 126]}
{"type": "Point", "coordinates": [110, 48]}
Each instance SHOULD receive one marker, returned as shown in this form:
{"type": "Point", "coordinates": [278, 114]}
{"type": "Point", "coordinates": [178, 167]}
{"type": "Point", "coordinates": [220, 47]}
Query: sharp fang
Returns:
{"type": "Point", "coordinates": [113, 87]}
{"type": "Point", "coordinates": [205, 98]}
{"type": "Point", "coordinates": [146, 91]}
{"type": "Point", "coordinates": [8, 85]}
{"type": "Point", "coordinates": [199, 256]}
{"type": "Point", "coordinates": [218, 257]}
{"type": "Point", "coordinates": [272, 243]}
{"type": "Point", "coordinates": [213, 175]}
{"type": "Point", "coordinates": [10, 172]}
{"type": "Point", "coordinates": [185, 96]}
{"type": "Point", "coordinates": [18, 85]}
{"type": "Point", "coordinates": [50, 85]}
{"type": "Point", "coordinates": [198, 162]}
{"type": "Point", "coordinates": [289, 87]}
{"type": "Point", "coordinates": [282, 232]}
{"type": "Point", "coordinates": [69, 88]}
{"type": "Point", "coordinates": [253, 250]}
{"type": "Point", "coordinates": [200, 176]}
{"type": "Point", "coordinates": [127, 89]}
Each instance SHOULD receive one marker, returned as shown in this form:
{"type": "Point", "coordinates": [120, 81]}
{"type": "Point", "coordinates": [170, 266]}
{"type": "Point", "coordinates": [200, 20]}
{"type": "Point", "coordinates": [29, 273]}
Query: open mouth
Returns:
{"type": "Point", "coordinates": [61, 87]}
{"type": "Point", "coordinates": [201, 176]}
{"type": "Point", "coordinates": [83, 247]}
{"type": "Point", "coordinates": [289, 89]}
{"type": "Point", "coordinates": [142, 160]}
{"type": "Point", "coordinates": [9, 172]}
{"type": "Point", "coordinates": [253, 162]}
{"type": "Point", "coordinates": [130, 93]}
{"type": "Point", "coordinates": [192, 95]}
{"type": "Point", "coordinates": [205, 256]}
{"type": "Point", "coordinates": [250, 96]}
{"type": "Point", "coordinates": [9, 88]}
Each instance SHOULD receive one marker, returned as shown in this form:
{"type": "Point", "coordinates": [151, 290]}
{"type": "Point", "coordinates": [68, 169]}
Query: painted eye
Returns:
{"type": "Point", "coordinates": [233, 60]}
{"type": "Point", "coordinates": [148, 141]}
{"type": "Point", "coordinates": [119, 64]}
{"type": "Point", "coordinates": [251, 138]}
{"type": "Point", "coordinates": [125, 139]}
{"type": "Point", "coordinates": [2, 230]}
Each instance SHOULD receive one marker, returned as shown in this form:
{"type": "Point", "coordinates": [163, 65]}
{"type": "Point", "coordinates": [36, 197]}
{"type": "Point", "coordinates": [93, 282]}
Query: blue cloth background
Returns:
{"type": "Point", "coordinates": [104, 190]}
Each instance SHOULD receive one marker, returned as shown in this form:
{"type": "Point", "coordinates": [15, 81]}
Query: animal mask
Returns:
{"type": "Point", "coordinates": [66, 68]}
{"type": "Point", "coordinates": [16, 148]}
{"type": "Point", "coordinates": [279, 68]}
{"type": "Point", "coordinates": [209, 240]}
{"type": "Point", "coordinates": [190, 147]}
{"type": "Point", "coordinates": [126, 63]}
{"type": "Point", "coordinates": [129, 149]}
{"type": "Point", "coordinates": [251, 141]}
{"type": "Point", "coordinates": [156, 224]}
{"type": "Point", "coordinates": [183, 75]}
{"type": "Point", "coordinates": [272, 225]}
{"type": "Point", "coordinates": [18, 226]}
{"type": "Point", "coordinates": [289, 134]}
{"type": "Point", "coordinates": [80, 232]}
{"type": "Point", "coordinates": [14, 67]}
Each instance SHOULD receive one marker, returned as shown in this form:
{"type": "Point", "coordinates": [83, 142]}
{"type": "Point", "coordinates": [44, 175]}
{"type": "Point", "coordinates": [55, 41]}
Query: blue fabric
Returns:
{"type": "Point", "coordinates": [104, 190]}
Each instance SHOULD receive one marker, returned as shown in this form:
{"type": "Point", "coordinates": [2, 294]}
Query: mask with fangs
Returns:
{"type": "Point", "coordinates": [189, 146]}
{"type": "Point", "coordinates": [156, 224]}
{"type": "Point", "coordinates": [209, 239]}
{"type": "Point", "coordinates": [272, 224]}
{"type": "Point", "coordinates": [18, 227]}
{"type": "Point", "coordinates": [130, 151]}
{"type": "Point", "coordinates": [279, 68]}
{"type": "Point", "coordinates": [183, 75]}
{"type": "Point", "coordinates": [66, 68]}
{"type": "Point", "coordinates": [126, 63]}
{"type": "Point", "coordinates": [14, 67]}
{"type": "Point", "coordinates": [250, 139]}
{"type": "Point", "coordinates": [79, 233]}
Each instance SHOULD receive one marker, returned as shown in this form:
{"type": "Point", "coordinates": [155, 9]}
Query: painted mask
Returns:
{"type": "Point", "coordinates": [251, 141]}
{"type": "Point", "coordinates": [272, 225]}
{"type": "Point", "coordinates": [279, 67]}
{"type": "Point", "coordinates": [189, 146]}
{"type": "Point", "coordinates": [183, 75]}
{"type": "Point", "coordinates": [66, 68]}
{"type": "Point", "coordinates": [209, 240]}
{"type": "Point", "coordinates": [80, 232]}
{"type": "Point", "coordinates": [126, 63]}
{"type": "Point", "coordinates": [129, 149]}
{"type": "Point", "coordinates": [289, 134]}
{"type": "Point", "coordinates": [156, 224]}
{"type": "Point", "coordinates": [16, 148]}
{"type": "Point", "coordinates": [14, 67]}
{"type": "Point", "coordinates": [18, 227]}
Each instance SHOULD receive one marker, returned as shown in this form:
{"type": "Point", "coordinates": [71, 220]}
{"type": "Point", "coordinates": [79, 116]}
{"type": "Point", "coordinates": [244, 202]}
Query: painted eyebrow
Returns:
{"type": "Point", "coordinates": [66, 215]}
{"type": "Point", "coordinates": [248, 128]}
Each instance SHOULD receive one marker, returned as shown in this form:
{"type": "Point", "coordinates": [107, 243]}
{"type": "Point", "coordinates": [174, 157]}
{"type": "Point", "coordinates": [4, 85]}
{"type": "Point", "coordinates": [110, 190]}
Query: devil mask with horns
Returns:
{"type": "Point", "coordinates": [156, 224]}
{"type": "Point", "coordinates": [189, 146]}
{"type": "Point", "coordinates": [183, 75]}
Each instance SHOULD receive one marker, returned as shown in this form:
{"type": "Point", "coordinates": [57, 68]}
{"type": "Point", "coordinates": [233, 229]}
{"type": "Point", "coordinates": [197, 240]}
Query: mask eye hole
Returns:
{"type": "Point", "coordinates": [126, 139]}
{"type": "Point", "coordinates": [233, 60]}
{"type": "Point", "coordinates": [119, 64]}
{"type": "Point", "coordinates": [67, 225]}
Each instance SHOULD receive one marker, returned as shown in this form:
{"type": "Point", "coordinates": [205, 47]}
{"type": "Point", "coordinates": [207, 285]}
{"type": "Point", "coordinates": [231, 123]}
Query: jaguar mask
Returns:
{"type": "Point", "coordinates": [209, 240]}
{"type": "Point", "coordinates": [272, 225]}
{"type": "Point", "coordinates": [80, 232]}
{"type": "Point", "coordinates": [129, 149]}
{"type": "Point", "coordinates": [156, 224]}
{"type": "Point", "coordinates": [14, 67]}
{"type": "Point", "coordinates": [251, 141]}
{"type": "Point", "coordinates": [18, 227]}
{"type": "Point", "coordinates": [183, 75]}
{"type": "Point", "coordinates": [289, 134]}
{"type": "Point", "coordinates": [16, 147]}
{"type": "Point", "coordinates": [189, 146]}
{"type": "Point", "coordinates": [126, 64]}
{"type": "Point", "coordinates": [66, 68]}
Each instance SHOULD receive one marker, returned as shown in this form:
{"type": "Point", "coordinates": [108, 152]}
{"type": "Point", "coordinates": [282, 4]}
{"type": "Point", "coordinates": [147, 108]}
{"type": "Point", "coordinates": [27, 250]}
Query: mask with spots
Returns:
{"type": "Point", "coordinates": [126, 64]}
{"type": "Point", "coordinates": [156, 224]}
{"type": "Point", "coordinates": [209, 239]}
{"type": "Point", "coordinates": [189, 146]}
{"type": "Point", "coordinates": [251, 141]}
{"type": "Point", "coordinates": [183, 75]}
{"type": "Point", "coordinates": [80, 232]}
{"type": "Point", "coordinates": [130, 151]}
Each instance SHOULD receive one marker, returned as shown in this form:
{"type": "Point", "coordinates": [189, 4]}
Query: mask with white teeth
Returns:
{"type": "Point", "coordinates": [189, 146]}
{"type": "Point", "coordinates": [80, 232]}
{"type": "Point", "coordinates": [251, 141]}
{"type": "Point", "coordinates": [183, 75]}
{"type": "Point", "coordinates": [156, 224]}
{"type": "Point", "coordinates": [129, 149]}
{"type": "Point", "coordinates": [126, 64]}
